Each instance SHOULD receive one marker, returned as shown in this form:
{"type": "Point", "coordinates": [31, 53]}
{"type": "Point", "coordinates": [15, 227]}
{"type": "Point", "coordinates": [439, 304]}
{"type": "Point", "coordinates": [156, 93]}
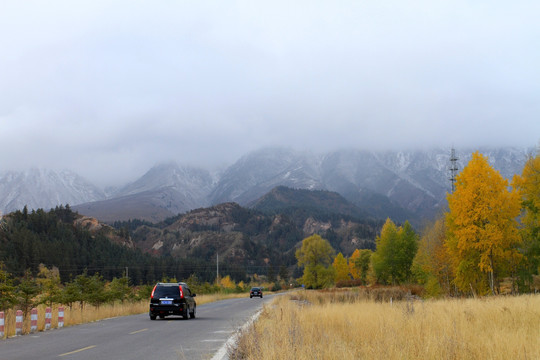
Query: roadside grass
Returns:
{"type": "Point", "coordinates": [78, 315]}
{"type": "Point", "coordinates": [347, 324]}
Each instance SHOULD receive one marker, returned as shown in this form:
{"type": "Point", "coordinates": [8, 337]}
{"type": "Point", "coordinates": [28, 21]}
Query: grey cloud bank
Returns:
{"type": "Point", "coordinates": [110, 88]}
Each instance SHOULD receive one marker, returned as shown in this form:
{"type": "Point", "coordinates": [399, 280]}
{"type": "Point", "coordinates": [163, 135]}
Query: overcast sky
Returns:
{"type": "Point", "coordinates": [110, 88]}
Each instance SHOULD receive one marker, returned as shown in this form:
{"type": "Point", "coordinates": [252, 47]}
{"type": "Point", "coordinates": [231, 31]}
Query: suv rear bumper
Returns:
{"type": "Point", "coordinates": [167, 309]}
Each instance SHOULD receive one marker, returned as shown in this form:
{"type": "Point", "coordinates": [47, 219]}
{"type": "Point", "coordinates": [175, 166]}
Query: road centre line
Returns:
{"type": "Point", "coordinates": [138, 331]}
{"type": "Point", "coordinates": [76, 351]}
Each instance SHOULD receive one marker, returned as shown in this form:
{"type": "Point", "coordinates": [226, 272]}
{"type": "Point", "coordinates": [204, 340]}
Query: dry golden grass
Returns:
{"type": "Point", "coordinates": [74, 315]}
{"type": "Point", "coordinates": [313, 325]}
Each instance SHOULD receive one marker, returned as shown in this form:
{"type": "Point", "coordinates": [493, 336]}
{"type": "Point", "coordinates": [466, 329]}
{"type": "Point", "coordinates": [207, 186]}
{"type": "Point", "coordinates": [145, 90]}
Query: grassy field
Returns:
{"type": "Point", "coordinates": [76, 315]}
{"type": "Point", "coordinates": [352, 325]}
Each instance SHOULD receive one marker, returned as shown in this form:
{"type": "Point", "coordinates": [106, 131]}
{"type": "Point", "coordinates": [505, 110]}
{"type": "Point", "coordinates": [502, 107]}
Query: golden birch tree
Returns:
{"type": "Point", "coordinates": [341, 267]}
{"type": "Point", "coordinates": [355, 273]}
{"type": "Point", "coordinates": [315, 256]}
{"type": "Point", "coordinates": [482, 233]}
{"type": "Point", "coordinates": [432, 264]}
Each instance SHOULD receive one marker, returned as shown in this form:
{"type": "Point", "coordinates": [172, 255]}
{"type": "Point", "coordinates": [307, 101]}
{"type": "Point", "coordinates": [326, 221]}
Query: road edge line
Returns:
{"type": "Point", "coordinates": [231, 341]}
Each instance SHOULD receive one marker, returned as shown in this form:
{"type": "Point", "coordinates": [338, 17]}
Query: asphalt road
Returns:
{"type": "Point", "coordinates": [137, 337]}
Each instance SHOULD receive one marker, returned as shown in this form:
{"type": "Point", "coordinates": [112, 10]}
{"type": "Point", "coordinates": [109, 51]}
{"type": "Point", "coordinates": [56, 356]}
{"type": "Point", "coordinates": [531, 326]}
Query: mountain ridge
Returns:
{"type": "Point", "coordinates": [403, 184]}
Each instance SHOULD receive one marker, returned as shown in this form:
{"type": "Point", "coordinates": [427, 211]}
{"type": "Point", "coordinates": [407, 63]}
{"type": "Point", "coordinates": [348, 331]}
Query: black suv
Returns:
{"type": "Point", "coordinates": [172, 299]}
{"type": "Point", "coordinates": [255, 291]}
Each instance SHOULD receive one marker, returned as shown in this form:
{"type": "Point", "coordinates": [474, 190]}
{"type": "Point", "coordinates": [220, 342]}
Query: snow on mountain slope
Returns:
{"type": "Point", "coordinates": [416, 181]}
{"type": "Point", "coordinates": [260, 171]}
{"type": "Point", "coordinates": [41, 188]}
{"type": "Point", "coordinates": [194, 184]}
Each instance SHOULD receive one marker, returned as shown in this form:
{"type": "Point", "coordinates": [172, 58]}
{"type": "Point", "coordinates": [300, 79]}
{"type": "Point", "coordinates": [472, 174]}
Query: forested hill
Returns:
{"type": "Point", "coordinates": [319, 202]}
{"type": "Point", "coordinates": [73, 243]}
{"type": "Point", "coordinates": [248, 242]}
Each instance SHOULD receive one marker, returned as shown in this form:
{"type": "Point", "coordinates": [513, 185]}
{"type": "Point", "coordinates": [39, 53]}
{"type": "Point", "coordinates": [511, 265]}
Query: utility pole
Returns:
{"type": "Point", "coordinates": [453, 168]}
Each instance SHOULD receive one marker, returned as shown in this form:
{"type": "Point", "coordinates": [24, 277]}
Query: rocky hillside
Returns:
{"type": "Point", "coordinates": [253, 238]}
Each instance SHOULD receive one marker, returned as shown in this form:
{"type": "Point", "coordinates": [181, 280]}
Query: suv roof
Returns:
{"type": "Point", "coordinates": [171, 284]}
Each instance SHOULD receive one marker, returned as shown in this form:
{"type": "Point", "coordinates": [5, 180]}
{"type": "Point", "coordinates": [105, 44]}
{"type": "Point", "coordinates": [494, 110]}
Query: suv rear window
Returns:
{"type": "Point", "coordinates": [166, 291]}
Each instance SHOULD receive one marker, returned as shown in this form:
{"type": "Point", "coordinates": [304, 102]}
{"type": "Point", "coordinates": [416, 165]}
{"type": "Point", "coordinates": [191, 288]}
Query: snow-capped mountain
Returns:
{"type": "Point", "coordinates": [416, 181]}
{"type": "Point", "coordinates": [164, 191]}
{"type": "Point", "coordinates": [260, 171]}
{"type": "Point", "coordinates": [193, 184]}
{"type": "Point", "coordinates": [400, 184]}
{"type": "Point", "coordinates": [41, 188]}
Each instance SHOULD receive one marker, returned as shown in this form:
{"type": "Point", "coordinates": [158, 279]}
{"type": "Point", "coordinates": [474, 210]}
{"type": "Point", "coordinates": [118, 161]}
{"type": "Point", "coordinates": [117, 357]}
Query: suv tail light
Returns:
{"type": "Point", "coordinates": [152, 296]}
{"type": "Point", "coordinates": [181, 292]}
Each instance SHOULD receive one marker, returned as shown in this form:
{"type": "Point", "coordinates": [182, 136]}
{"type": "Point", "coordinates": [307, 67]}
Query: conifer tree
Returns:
{"type": "Point", "coordinates": [27, 291]}
{"type": "Point", "coordinates": [119, 289]}
{"type": "Point", "coordinates": [7, 290]}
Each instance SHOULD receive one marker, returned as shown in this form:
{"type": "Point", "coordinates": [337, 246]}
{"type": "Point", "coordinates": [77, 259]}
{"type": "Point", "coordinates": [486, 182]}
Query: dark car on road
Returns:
{"type": "Point", "coordinates": [255, 291]}
{"type": "Point", "coordinates": [172, 299]}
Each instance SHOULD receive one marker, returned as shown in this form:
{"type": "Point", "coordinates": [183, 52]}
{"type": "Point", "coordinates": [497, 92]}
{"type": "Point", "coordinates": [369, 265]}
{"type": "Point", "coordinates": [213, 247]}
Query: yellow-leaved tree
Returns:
{"type": "Point", "coordinates": [528, 185]}
{"type": "Point", "coordinates": [341, 267]}
{"type": "Point", "coordinates": [361, 264]}
{"type": "Point", "coordinates": [431, 265]}
{"type": "Point", "coordinates": [355, 273]}
{"type": "Point", "coordinates": [396, 248]}
{"type": "Point", "coordinates": [482, 233]}
{"type": "Point", "coordinates": [315, 256]}
{"type": "Point", "coordinates": [227, 283]}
